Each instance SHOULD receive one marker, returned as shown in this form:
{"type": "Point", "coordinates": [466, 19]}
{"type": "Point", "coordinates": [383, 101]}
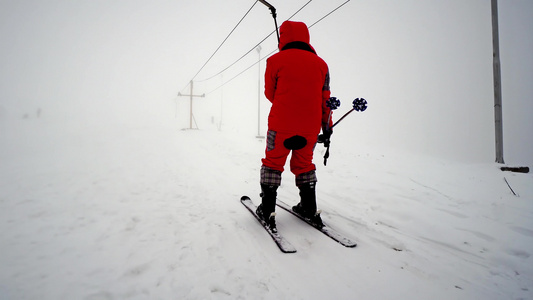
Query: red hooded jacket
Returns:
{"type": "Point", "coordinates": [297, 84]}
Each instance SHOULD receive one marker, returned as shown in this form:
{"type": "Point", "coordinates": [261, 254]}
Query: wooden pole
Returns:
{"type": "Point", "coordinates": [191, 95]}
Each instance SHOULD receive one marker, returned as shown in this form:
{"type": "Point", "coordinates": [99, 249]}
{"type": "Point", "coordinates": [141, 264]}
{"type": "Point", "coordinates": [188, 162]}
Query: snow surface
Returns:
{"type": "Point", "coordinates": [133, 212]}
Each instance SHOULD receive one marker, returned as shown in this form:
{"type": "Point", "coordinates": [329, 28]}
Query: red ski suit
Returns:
{"type": "Point", "coordinates": [297, 84]}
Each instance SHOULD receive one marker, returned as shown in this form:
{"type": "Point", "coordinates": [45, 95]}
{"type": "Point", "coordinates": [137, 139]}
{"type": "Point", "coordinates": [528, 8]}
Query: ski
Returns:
{"type": "Point", "coordinates": [327, 230]}
{"type": "Point", "coordinates": [282, 243]}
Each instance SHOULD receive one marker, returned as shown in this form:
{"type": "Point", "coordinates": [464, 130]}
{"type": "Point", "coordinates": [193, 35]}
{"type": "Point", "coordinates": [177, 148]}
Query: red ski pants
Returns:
{"type": "Point", "coordinates": [279, 145]}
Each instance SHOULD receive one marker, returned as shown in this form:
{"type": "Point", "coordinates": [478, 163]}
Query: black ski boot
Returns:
{"type": "Point", "coordinates": [266, 210]}
{"type": "Point", "coordinates": [307, 205]}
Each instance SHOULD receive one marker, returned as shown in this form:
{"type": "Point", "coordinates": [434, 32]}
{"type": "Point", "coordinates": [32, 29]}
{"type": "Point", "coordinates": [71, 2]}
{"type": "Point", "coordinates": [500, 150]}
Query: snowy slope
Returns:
{"type": "Point", "coordinates": [154, 213]}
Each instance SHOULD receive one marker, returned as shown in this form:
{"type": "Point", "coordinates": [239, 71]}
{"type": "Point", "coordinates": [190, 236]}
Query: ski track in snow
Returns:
{"type": "Point", "coordinates": [155, 214]}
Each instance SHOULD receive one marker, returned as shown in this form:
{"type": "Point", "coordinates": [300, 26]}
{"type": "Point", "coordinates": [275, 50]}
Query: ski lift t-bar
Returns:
{"type": "Point", "coordinates": [273, 11]}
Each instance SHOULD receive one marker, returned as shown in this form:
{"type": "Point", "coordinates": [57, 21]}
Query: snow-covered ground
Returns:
{"type": "Point", "coordinates": [130, 212]}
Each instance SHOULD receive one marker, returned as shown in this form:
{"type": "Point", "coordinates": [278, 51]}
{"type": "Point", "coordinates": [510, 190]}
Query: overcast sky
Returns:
{"type": "Point", "coordinates": [424, 66]}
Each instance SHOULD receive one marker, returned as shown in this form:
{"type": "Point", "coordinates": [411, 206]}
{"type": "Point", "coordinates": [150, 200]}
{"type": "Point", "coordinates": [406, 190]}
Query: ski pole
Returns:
{"type": "Point", "coordinates": [273, 11]}
{"type": "Point", "coordinates": [359, 104]}
{"type": "Point", "coordinates": [333, 103]}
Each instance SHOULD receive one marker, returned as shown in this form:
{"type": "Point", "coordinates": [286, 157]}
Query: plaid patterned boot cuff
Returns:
{"type": "Point", "coordinates": [270, 176]}
{"type": "Point", "coordinates": [306, 178]}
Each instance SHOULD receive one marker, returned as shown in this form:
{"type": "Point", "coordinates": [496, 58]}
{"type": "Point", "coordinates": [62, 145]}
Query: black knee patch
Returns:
{"type": "Point", "coordinates": [295, 143]}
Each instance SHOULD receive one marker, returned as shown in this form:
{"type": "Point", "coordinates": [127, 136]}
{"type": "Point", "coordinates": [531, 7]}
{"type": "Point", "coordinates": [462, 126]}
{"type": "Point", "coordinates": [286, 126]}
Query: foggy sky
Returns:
{"type": "Point", "coordinates": [424, 66]}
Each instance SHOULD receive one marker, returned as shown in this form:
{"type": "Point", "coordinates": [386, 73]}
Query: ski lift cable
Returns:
{"type": "Point", "coordinates": [228, 81]}
{"type": "Point", "coordinates": [221, 44]}
{"type": "Point", "coordinates": [240, 73]}
{"type": "Point", "coordinates": [329, 13]}
{"type": "Point", "coordinates": [253, 48]}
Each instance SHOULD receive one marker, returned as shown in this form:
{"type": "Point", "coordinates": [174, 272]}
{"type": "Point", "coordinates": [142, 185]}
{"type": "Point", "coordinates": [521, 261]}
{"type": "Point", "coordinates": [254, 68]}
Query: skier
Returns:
{"type": "Point", "coordinates": [297, 84]}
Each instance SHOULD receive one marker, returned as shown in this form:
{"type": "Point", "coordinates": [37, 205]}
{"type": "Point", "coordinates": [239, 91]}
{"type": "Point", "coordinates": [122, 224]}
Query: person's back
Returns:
{"type": "Point", "coordinates": [297, 84]}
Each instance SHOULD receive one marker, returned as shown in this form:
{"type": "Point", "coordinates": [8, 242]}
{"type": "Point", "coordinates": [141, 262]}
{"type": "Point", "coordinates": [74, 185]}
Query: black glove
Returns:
{"type": "Point", "coordinates": [325, 136]}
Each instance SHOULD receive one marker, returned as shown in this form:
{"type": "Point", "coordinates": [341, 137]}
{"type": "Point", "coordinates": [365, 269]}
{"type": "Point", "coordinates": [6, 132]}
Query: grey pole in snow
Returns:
{"type": "Point", "coordinates": [259, 95]}
{"type": "Point", "coordinates": [497, 84]}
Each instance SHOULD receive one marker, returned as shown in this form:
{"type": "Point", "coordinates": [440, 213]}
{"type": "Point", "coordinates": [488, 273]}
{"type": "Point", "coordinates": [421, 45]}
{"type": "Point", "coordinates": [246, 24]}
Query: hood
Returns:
{"type": "Point", "coordinates": [291, 31]}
